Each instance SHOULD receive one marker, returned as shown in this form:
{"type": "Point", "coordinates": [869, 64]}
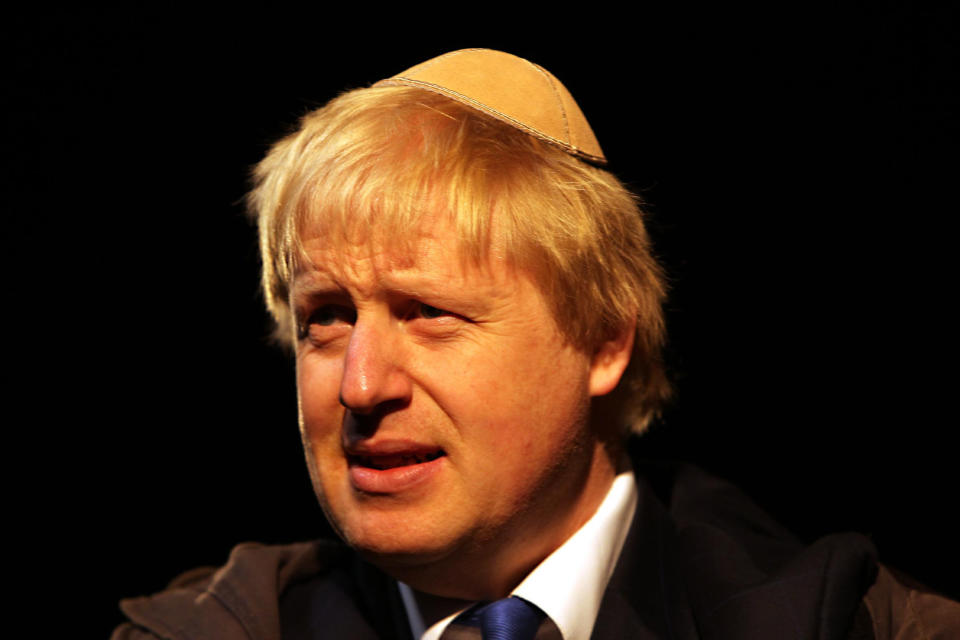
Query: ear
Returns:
{"type": "Point", "coordinates": [610, 360]}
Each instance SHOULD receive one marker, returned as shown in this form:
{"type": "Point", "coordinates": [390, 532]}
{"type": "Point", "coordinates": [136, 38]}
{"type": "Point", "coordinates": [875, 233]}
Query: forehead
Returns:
{"type": "Point", "coordinates": [431, 259]}
{"type": "Point", "coordinates": [400, 216]}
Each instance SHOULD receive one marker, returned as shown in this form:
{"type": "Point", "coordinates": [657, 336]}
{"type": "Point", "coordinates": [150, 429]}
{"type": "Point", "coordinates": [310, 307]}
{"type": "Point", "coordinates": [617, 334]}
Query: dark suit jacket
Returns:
{"type": "Point", "coordinates": [700, 561]}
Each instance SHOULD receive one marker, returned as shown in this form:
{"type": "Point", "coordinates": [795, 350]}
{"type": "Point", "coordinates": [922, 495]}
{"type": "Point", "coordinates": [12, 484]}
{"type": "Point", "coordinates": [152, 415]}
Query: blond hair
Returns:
{"type": "Point", "coordinates": [380, 161]}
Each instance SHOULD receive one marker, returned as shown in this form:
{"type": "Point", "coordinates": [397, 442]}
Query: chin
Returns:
{"type": "Point", "coordinates": [395, 539]}
{"type": "Point", "coordinates": [410, 561]}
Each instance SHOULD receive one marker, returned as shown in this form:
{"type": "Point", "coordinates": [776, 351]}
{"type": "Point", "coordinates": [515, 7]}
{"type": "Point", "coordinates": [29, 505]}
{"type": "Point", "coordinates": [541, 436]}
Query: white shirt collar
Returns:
{"type": "Point", "coordinates": [569, 584]}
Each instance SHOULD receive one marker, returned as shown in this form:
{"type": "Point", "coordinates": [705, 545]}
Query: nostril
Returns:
{"type": "Point", "coordinates": [364, 423]}
{"type": "Point", "coordinates": [361, 425]}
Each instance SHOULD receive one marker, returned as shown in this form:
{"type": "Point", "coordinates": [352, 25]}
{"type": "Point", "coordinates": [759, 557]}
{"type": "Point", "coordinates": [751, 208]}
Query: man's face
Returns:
{"type": "Point", "coordinates": [442, 412]}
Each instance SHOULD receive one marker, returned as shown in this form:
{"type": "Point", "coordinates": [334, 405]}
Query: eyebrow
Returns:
{"type": "Point", "coordinates": [307, 284]}
{"type": "Point", "coordinates": [310, 282]}
{"type": "Point", "coordinates": [312, 285]}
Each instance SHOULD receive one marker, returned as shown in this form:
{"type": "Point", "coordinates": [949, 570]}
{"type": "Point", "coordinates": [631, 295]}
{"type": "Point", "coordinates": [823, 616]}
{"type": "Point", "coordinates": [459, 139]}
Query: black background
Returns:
{"type": "Point", "coordinates": [800, 173]}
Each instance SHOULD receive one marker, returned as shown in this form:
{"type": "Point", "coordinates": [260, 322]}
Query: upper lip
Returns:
{"type": "Point", "coordinates": [390, 448]}
{"type": "Point", "coordinates": [391, 454]}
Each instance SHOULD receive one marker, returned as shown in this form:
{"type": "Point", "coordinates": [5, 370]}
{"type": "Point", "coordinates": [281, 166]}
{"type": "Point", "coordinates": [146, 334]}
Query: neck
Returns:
{"type": "Point", "coordinates": [435, 608]}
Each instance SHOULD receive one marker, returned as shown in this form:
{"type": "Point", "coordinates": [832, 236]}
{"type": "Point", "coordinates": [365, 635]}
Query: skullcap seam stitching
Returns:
{"type": "Point", "coordinates": [556, 94]}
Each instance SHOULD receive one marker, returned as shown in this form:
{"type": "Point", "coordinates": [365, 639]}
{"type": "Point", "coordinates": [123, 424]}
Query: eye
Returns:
{"type": "Point", "coordinates": [430, 312]}
{"type": "Point", "coordinates": [327, 315]}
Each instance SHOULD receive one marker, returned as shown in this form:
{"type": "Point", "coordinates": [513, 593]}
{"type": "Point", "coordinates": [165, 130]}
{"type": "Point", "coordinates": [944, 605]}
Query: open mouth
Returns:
{"type": "Point", "coordinates": [392, 461]}
{"type": "Point", "coordinates": [395, 472]}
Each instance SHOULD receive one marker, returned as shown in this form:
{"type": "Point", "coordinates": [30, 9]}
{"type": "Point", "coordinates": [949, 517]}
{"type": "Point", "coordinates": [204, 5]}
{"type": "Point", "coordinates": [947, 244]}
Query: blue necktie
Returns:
{"type": "Point", "coordinates": [508, 619]}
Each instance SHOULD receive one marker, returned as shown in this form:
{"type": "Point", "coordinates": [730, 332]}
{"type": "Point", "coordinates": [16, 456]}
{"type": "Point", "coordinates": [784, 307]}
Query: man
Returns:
{"type": "Point", "coordinates": [476, 318]}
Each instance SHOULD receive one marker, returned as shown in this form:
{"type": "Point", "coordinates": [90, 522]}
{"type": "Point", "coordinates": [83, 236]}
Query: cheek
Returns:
{"type": "Point", "coordinates": [535, 407]}
{"type": "Point", "coordinates": [318, 391]}
{"type": "Point", "coordinates": [547, 382]}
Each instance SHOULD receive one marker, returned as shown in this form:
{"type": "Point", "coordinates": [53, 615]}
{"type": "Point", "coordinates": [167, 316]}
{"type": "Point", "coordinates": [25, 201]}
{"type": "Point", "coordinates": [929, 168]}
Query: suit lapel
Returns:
{"type": "Point", "coordinates": [347, 599]}
{"type": "Point", "coordinates": [646, 598]}
{"type": "Point", "coordinates": [728, 571]}
{"type": "Point", "coordinates": [380, 597]}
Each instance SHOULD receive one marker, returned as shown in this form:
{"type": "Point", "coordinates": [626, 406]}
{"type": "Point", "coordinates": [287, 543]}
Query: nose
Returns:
{"type": "Point", "coordinates": [373, 370]}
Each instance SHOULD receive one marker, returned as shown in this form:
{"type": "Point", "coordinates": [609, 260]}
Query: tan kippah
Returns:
{"type": "Point", "coordinates": [510, 89]}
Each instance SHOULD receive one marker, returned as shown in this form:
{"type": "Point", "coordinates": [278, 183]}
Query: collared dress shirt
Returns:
{"type": "Point", "coordinates": [569, 584]}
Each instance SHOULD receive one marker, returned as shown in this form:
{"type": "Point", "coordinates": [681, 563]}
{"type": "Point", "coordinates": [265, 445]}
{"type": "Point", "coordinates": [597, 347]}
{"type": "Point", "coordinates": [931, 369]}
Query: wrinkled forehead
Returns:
{"type": "Point", "coordinates": [399, 229]}
{"type": "Point", "coordinates": [434, 248]}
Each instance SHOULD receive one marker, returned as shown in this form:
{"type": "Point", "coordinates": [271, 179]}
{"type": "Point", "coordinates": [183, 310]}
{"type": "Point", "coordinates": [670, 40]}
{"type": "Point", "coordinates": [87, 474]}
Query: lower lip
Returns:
{"type": "Point", "coordinates": [393, 480]}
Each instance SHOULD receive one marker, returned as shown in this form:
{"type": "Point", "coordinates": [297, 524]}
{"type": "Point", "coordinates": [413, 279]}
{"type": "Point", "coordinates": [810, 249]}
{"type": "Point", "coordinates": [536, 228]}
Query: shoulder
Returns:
{"type": "Point", "coordinates": [239, 600]}
{"type": "Point", "coordinates": [742, 571]}
{"type": "Point", "coordinates": [901, 608]}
